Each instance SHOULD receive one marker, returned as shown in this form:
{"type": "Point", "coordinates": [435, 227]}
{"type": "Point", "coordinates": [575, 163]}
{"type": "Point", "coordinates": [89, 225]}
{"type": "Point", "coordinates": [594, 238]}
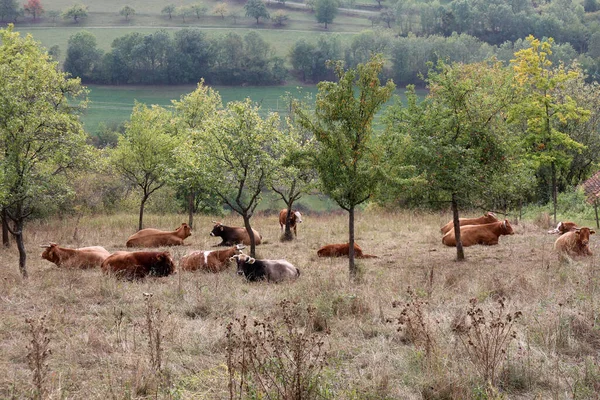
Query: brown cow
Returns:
{"type": "Point", "coordinates": [156, 238]}
{"type": "Point", "coordinates": [232, 235]}
{"type": "Point", "coordinates": [139, 264]}
{"type": "Point", "coordinates": [486, 234]}
{"type": "Point", "coordinates": [209, 261]}
{"type": "Point", "coordinates": [84, 257]}
{"type": "Point", "coordinates": [487, 218]}
{"type": "Point", "coordinates": [295, 218]}
{"type": "Point", "coordinates": [564, 227]}
{"type": "Point", "coordinates": [342, 250]}
{"type": "Point", "coordinates": [574, 243]}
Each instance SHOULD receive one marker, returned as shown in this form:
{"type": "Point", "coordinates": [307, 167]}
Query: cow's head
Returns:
{"type": "Point", "coordinates": [583, 235]}
{"type": "Point", "coordinates": [217, 229]}
{"type": "Point", "coordinates": [506, 228]}
{"type": "Point", "coordinates": [298, 216]}
{"type": "Point", "coordinates": [187, 231]}
{"type": "Point", "coordinates": [51, 253]}
{"type": "Point", "coordinates": [490, 217]}
{"type": "Point", "coordinates": [163, 266]}
{"type": "Point", "coordinates": [240, 260]}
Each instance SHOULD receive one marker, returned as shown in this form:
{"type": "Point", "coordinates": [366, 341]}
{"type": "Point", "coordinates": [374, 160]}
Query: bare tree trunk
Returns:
{"type": "Point", "coordinates": [287, 236]}
{"type": "Point", "coordinates": [596, 211]}
{"type": "Point", "coordinates": [554, 189]}
{"type": "Point", "coordinates": [5, 233]}
{"type": "Point", "coordinates": [141, 220]}
{"type": "Point", "coordinates": [351, 264]}
{"type": "Point", "coordinates": [21, 246]}
{"type": "Point", "coordinates": [460, 253]}
{"type": "Point", "coordinates": [191, 199]}
{"type": "Point", "coordinates": [251, 235]}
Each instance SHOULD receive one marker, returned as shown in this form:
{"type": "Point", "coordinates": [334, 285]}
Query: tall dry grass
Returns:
{"type": "Point", "coordinates": [98, 327]}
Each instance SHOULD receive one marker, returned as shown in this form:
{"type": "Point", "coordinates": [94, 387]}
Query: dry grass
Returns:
{"type": "Point", "coordinates": [97, 326]}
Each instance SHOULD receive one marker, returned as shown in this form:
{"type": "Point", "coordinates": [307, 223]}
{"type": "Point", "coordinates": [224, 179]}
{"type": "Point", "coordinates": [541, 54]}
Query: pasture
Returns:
{"type": "Point", "coordinates": [99, 342]}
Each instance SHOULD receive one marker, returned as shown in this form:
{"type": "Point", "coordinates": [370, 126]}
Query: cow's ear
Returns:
{"type": "Point", "coordinates": [250, 260]}
{"type": "Point", "coordinates": [592, 232]}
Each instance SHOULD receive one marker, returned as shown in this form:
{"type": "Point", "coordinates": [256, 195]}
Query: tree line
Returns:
{"type": "Point", "coordinates": [487, 135]}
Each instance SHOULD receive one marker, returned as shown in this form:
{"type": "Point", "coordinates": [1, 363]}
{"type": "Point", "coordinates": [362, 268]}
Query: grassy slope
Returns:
{"type": "Point", "coordinates": [96, 355]}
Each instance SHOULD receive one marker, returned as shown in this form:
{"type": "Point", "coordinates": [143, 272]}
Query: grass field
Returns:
{"type": "Point", "coordinates": [98, 326]}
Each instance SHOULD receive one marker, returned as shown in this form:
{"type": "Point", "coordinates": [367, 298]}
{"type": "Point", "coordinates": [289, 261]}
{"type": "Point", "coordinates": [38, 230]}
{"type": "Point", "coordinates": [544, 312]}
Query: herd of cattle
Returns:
{"type": "Point", "coordinates": [485, 230]}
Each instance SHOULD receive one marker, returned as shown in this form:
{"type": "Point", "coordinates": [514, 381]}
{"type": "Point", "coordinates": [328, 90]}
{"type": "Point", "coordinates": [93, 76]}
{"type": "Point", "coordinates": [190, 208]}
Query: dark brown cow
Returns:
{"type": "Point", "coordinates": [269, 270]}
{"type": "Point", "coordinates": [156, 238]}
{"type": "Point", "coordinates": [295, 218]}
{"type": "Point", "coordinates": [486, 234]}
{"type": "Point", "coordinates": [83, 258]}
{"type": "Point", "coordinates": [574, 243]}
{"type": "Point", "coordinates": [487, 218]}
{"type": "Point", "coordinates": [342, 250]}
{"type": "Point", "coordinates": [232, 235]}
{"type": "Point", "coordinates": [139, 264]}
{"type": "Point", "coordinates": [209, 261]}
{"type": "Point", "coordinates": [564, 227]}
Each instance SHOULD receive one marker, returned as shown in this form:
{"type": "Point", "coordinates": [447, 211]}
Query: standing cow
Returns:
{"type": "Point", "coordinates": [269, 270]}
{"type": "Point", "coordinates": [156, 238]}
{"type": "Point", "coordinates": [574, 243]}
{"type": "Point", "coordinates": [84, 257]}
{"type": "Point", "coordinates": [209, 261]}
{"type": "Point", "coordinates": [295, 218]}
{"type": "Point", "coordinates": [232, 235]}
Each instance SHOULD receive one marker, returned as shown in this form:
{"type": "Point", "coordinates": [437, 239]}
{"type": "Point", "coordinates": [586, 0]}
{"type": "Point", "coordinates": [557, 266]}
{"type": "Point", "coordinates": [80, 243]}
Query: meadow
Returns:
{"type": "Point", "coordinates": [98, 331]}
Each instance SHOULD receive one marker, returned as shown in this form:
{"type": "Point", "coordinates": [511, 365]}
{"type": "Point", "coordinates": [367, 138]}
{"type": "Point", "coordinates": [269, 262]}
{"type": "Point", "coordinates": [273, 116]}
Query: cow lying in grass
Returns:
{"type": "Point", "coordinates": [342, 250]}
{"type": "Point", "coordinates": [564, 227]}
{"type": "Point", "coordinates": [269, 270]}
{"type": "Point", "coordinates": [486, 234]}
{"type": "Point", "coordinates": [232, 235]}
{"type": "Point", "coordinates": [574, 243]}
{"type": "Point", "coordinates": [487, 218]}
{"type": "Point", "coordinates": [209, 261]}
{"type": "Point", "coordinates": [156, 238]}
{"type": "Point", "coordinates": [83, 258]}
{"type": "Point", "coordinates": [139, 264]}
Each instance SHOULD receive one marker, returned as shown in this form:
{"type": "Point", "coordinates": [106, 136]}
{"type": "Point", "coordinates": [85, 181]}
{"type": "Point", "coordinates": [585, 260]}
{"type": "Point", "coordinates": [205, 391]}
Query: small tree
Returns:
{"type": "Point", "coordinates": [221, 9]}
{"type": "Point", "coordinates": [326, 11]}
{"type": "Point", "coordinates": [127, 12]}
{"type": "Point", "coordinates": [235, 15]}
{"type": "Point", "coordinates": [169, 10]}
{"type": "Point", "coordinates": [34, 8]}
{"type": "Point", "coordinates": [199, 10]}
{"type": "Point", "coordinates": [53, 14]}
{"type": "Point", "coordinates": [9, 10]}
{"type": "Point", "coordinates": [280, 17]}
{"type": "Point", "coordinates": [256, 9]}
{"type": "Point", "coordinates": [346, 158]}
{"type": "Point", "coordinates": [236, 154]}
{"type": "Point", "coordinates": [183, 12]}
{"type": "Point", "coordinates": [144, 154]}
{"type": "Point", "coordinates": [76, 12]}
{"type": "Point", "coordinates": [388, 16]}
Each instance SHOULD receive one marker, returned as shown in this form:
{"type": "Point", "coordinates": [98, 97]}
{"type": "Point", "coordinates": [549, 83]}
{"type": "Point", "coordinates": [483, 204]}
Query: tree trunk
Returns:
{"type": "Point", "coordinates": [5, 233]}
{"type": "Point", "coordinates": [460, 253]}
{"type": "Point", "coordinates": [191, 199]}
{"type": "Point", "coordinates": [596, 211]}
{"type": "Point", "coordinates": [351, 264]}
{"type": "Point", "coordinates": [554, 190]}
{"type": "Point", "coordinates": [21, 247]}
{"type": "Point", "coordinates": [251, 235]}
{"type": "Point", "coordinates": [287, 235]}
{"type": "Point", "coordinates": [141, 220]}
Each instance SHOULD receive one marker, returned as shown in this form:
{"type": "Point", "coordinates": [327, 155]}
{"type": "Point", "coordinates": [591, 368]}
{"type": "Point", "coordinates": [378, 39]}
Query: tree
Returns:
{"type": "Point", "coordinates": [83, 56]}
{"type": "Point", "coordinates": [169, 10]}
{"type": "Point", "coordinates": [192, 113]}
{"type": "Point", "coordinates": [76, 12]}
{"type": "Point", "coordinates": [236, 154]}
{"type": "Point", "coordinates": [40, 132]}
{"type": "Point", "coordinates": [144, 154]}
{"type": "Point", "coordinates": [53, 14]}
{"type": "Point", "coordinates": [388, 16]}
{"type": "Point", "coordinates": [34, 8]}
{"type": "Point", "coordinates": [9, 10]}
{"type": "Point", "coordinates": [346, 158]}
{"type": "Point", "coordinates": [127, 12]}
{"type": "Point", "coordinates": [256, 9]}
{"type": "Point", "coordinates": [326, 11]}
{"type": "Point", "coordinates": [543, 111]}
{"type": "Point", "coordinates": [279, 17]}
{"type": "Point", "coordinates": [199, 9]}
{"type": "Point", "coordinates": [221, 9]}
{"type": "Point", "coordinates": [183, 12]}
{"type": "Point", "coordinates": [457, 138]}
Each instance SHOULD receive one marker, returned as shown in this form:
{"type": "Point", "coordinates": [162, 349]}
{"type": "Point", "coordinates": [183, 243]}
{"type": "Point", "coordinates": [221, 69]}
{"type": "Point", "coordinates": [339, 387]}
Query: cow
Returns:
{"type": "Point", "coordinates": [295, 218]}
{"type": "Point", "coordinates": [232, 235]}
{"type": "Point", "coordinates": [83, 258]}
{"type": "Point", "coordinates": [487, 218]}
{"type": "Point", "coordinates": [269, 270]}
{"type": "Point", "coordinates": [486, 234]}
{"type": "Point", "coordinates": [209, 261]}
{"type": "Point", "coordinates": [574, 243]}
{"type": "Point", "coordinates": [342, 250]}
{"type": "Point", "coordinates": [156, 238]}
{"type": "Point", "coordinates": [139, 264]}
{"type": "Point", "coordinates": [564, 227]}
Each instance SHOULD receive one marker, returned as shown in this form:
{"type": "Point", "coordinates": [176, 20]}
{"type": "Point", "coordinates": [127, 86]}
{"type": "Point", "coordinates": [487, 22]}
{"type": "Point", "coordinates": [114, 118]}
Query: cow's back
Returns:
{"type": "Point", "coordinates": [471, 235]}
{"type": "Point", "coordinates": [155, 240]}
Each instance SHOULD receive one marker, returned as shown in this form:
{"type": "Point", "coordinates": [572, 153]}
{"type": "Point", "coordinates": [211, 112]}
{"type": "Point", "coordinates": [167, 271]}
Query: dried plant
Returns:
{"type": "Point", "coordinates": [276, 358]}
{"type": "Point", "coordinates": [153, 329]}
{"type": "Point", "coordinates": [38, 354]}
{"type": "Point", "coordinates": [486, 336]}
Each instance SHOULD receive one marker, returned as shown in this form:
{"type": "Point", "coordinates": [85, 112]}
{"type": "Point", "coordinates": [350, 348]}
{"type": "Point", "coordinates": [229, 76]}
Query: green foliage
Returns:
{"type": "Point", "coordinates": [326, 11]}
{"type": "Point", "coordinates": [83, 56]}
{"type": "Point", "coordinates": [9, 10]}
{"type": "Point", "coordinates": [256, 9]}
{"type": "Point", "coordinates": [169, 10]}
{"type": "Point", "coordinates": [76, 12]}
{"type": "Point", "coordinates": [127, 12]}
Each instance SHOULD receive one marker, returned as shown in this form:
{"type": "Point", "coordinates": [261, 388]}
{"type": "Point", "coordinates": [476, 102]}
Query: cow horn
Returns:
{"type": "Point", "coordinates": [45, 246]}
{"type": "Point", "coordinates": [250, 260]}
{"type": "Point", "coordinates": [240, 246]}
